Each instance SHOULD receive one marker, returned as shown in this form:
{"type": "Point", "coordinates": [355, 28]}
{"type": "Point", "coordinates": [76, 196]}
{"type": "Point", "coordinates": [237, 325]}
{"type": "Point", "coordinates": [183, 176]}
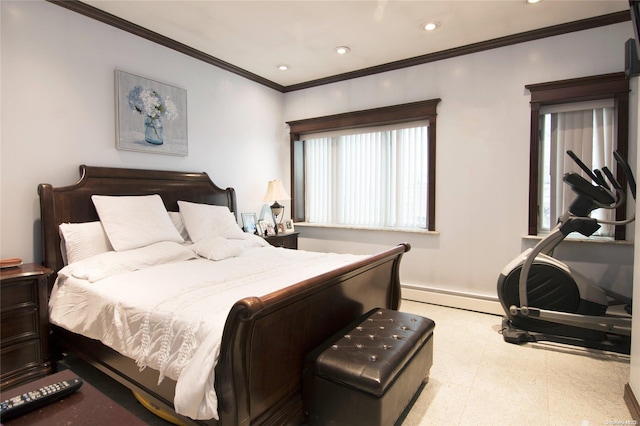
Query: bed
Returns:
{"type": "Point", "coordinates": [256, 380]}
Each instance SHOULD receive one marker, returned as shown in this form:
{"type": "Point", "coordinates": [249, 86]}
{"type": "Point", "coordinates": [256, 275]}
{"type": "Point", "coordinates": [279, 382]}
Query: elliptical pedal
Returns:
{"type": "Point", "coordinates": [613, 343]}
{"type": "Point", "coordinates": [510, 334]}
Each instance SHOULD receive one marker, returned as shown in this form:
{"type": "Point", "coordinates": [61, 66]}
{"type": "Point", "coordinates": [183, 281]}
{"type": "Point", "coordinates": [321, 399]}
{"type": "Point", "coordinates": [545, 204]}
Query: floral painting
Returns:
{"type": "Point", "coordinates": [151, 116]}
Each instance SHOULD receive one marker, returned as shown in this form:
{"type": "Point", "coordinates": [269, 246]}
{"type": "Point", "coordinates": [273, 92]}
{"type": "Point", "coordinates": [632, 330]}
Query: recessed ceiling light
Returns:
{"type": "Point", "coordinates": [430, 26]}
{"type": "Point", "coordinates": [341, 50]}
{"type": "Point", "coordinates": [283, 67]}
{"type": "Point", "coordinates": [532, 1]}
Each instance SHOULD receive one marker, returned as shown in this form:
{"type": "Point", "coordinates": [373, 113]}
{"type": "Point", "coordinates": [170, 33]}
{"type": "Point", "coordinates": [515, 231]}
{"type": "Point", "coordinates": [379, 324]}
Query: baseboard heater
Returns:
{"type": "Point", "coordinates": [461, 300]}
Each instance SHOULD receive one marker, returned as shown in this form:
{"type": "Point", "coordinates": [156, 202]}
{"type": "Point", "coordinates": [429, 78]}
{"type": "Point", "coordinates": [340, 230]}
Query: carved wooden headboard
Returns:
{"type": "Point", "coordinates": [73, 203]}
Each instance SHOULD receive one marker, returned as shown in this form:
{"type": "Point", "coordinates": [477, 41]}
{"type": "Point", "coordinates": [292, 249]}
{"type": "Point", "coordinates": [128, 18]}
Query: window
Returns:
{"type": "Point", "coordinates": [373, 168]}
{"type": "Point", "coordinates": [370, 178]}
{"type": "Point", "coordinates": [586, 128]}
{"type": "Point", "coordinates": [588, 116]}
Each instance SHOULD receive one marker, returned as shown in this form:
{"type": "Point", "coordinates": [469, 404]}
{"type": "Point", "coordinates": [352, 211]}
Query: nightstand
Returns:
{"type": "Point", "coordinates": [289, 240]}
{"type": "Point", "coordinates": [24, 337]}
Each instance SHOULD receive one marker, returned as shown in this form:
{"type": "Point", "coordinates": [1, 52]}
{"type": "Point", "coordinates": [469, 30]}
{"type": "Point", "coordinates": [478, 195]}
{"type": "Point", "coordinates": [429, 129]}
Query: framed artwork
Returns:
{"type": "Point", "coordinates": [281, 228]}
{"type": "Point", "coordinates": [150, 116]}
{"type": "Point", "coordinates": [249, 222]}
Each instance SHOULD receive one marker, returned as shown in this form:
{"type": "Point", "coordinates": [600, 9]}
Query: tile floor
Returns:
{"type": "Point", "coordinates": [478, 379]}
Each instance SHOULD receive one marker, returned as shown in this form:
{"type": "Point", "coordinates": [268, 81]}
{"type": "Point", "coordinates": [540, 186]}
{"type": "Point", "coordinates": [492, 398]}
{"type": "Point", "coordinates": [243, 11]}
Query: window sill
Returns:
{"type": "Point", "coordinates": [591, 240]}
{"type": "Point", "coordinates": [365, 228]}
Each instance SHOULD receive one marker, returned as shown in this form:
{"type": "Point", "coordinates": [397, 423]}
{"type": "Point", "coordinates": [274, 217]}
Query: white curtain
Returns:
{"type": "Point", "coordinates": [590, 134]}
{"type": "Point", "coordinates": [369, 179]}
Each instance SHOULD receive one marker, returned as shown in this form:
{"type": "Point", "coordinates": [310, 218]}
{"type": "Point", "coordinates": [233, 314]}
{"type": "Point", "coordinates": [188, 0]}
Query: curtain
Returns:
{"type": "Point", "coordinates": [368, 179]}
{"type": "Point", "coordinates": [590, 134]}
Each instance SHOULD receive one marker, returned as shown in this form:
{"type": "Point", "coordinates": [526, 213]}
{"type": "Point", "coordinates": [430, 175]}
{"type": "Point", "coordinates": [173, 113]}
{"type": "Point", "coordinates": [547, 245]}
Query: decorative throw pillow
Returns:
{"type": "Point", "coordinates": [79, 241]}
{"type": "Point", "coordinates": [217, 248]}
{"type": "Point", "coordinates": [135, 221]}
{"type": "Point", "coordinates": [206, 220]}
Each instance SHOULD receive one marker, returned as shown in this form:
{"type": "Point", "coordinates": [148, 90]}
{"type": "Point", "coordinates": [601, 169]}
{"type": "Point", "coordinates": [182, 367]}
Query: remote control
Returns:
{"type": "Point", "coordinates": [26, 402]}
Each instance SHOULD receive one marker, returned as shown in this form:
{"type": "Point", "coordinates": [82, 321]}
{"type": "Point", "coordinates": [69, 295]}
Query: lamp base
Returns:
{"type": "Point", "coordinates": [277, 209]}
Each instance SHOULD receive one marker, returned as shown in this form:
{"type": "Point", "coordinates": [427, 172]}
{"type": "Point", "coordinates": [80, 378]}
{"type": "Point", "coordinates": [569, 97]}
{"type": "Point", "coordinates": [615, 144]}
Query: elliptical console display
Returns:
{"type": "Point", "coordinates": [544, 299]}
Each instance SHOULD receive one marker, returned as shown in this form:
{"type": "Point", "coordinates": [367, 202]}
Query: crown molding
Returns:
{"type": "Point", "coordinates": [109, 19]}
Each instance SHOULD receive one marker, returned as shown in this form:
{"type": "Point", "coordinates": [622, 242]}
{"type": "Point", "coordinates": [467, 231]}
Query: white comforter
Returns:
{"type": "Point", "coordinates": [169, 313]}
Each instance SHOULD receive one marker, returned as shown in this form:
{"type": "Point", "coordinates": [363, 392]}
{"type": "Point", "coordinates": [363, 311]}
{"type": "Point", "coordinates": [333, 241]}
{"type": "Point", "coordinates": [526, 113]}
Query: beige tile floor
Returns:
{"type": "Point", "coordinates": [478, 379]}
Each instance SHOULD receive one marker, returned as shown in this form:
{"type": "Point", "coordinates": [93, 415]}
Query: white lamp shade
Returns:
{"type": "Point", "coordinates": [276, 191]}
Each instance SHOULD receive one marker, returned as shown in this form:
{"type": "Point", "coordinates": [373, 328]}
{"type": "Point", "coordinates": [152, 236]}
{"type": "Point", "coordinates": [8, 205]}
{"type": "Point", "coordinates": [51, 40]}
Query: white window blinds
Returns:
{"type": "Point", "coordinates": [372, 178]}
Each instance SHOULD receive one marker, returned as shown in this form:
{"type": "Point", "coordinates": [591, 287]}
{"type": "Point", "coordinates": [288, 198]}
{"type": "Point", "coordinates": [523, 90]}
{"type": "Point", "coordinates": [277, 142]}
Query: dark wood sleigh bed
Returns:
{"type": "Point", "coordinates": [258, 374]}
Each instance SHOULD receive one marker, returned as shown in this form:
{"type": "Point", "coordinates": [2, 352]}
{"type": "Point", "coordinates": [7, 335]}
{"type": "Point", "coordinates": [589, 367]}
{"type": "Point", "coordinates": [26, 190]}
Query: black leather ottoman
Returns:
{"type": "Point", "coordinates": [368, 373]}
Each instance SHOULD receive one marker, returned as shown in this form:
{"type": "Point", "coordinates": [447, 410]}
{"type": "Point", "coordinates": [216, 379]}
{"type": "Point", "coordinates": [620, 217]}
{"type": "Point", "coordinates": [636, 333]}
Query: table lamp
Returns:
{"type": "Point", "coordinates": [275, 192]}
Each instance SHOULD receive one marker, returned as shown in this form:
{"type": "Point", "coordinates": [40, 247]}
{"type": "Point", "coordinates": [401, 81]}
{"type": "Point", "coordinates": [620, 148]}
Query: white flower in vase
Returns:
{"type": "Point", "coordinates": [153, 107]}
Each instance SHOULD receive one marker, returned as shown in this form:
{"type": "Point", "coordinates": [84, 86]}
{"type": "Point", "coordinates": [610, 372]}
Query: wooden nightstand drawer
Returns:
{"type": "Point", "coordinates": [20, 293]}
{"type": "Point", "coordinates": [21, 325]}
{"type": "Point", "coordinates": [21, 356]}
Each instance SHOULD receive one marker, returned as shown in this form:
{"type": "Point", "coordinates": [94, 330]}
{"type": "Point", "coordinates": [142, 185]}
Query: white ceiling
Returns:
{"type": "Point", "coordinates": [259, 35]}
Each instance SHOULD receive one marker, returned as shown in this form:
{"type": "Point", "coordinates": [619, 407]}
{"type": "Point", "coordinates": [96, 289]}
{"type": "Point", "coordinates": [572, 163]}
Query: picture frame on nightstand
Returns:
{"type": "Point", "coordinates": [249, 222]}
{"type": "Point", "coordinates": [271, 230]}
{"type": "Point", "coordinates": [288, 226]}
{"type": "Point", "coordinates": [261, 228]}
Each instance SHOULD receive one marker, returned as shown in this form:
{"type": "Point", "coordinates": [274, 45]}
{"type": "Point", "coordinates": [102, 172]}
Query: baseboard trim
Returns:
{"type": "Point", "coordinates": [460, 300]}
{"type": "Point", "coordinates": [632, 403]}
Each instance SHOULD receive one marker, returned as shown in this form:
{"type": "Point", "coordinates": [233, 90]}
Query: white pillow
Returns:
{"type": "Point", "coordinates": [79, 241]}
{"type": "Point", "coordinates": [206, 220]}
{"type": "Point", "coordinates": [135, 221]}
{"type": "Point", "coordinates": [217, 248]}
{"type": "Point", "coordinates": [176, 218]}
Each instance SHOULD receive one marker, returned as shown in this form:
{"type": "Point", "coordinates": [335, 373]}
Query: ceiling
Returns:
{"type": "Point", "coordinates": [257, 36]}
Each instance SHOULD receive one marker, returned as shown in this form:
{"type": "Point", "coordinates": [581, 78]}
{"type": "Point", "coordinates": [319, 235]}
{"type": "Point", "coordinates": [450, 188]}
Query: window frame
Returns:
{"type": "Point", "coordinates": [605, 86]}
{"type": "Point", "coordinates": [414, 111]}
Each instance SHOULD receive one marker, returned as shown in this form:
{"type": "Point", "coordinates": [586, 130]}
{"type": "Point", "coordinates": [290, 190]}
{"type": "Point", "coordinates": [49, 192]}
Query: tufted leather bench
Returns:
{"type": "Point", "coordinates": [369, 372]}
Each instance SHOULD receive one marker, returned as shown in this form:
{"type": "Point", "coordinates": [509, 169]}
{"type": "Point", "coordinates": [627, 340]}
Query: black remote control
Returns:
{"type": "Point", "coordinates": [26, 402]}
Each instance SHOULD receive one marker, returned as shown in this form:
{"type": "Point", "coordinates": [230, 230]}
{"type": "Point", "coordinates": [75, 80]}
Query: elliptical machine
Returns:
{"type": "Point", "coordinates": [545, 300]}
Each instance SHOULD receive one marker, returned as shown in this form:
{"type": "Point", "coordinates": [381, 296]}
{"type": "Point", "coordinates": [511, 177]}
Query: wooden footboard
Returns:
{"type": "Point", "coordinates": [266, 339]}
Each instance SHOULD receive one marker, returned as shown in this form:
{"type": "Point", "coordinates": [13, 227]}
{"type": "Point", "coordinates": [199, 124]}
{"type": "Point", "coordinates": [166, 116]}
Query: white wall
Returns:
{"type": "Point", "coordinates": [482, 155]}
{"type": "Point", "coordinates": [58, 112]}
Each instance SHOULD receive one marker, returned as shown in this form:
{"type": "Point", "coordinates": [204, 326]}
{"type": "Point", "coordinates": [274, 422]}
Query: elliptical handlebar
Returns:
{"type": "Point", "coordinates": [628, 174]}
{"type": "Point", "coordinates": [597, 177]}
{"type": "Point", "coordinates": [612, 178]}
{"type": "Point", "coordinates": [601, 180]}
{"type": "Point", "coordinates": [583, 166]}
{"type": "Point", "coordinates": [600, 194]}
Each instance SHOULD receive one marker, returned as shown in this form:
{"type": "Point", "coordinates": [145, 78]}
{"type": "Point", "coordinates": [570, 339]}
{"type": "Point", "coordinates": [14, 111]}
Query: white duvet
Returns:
{"type": "Point", "coordinates": [166, 307]}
